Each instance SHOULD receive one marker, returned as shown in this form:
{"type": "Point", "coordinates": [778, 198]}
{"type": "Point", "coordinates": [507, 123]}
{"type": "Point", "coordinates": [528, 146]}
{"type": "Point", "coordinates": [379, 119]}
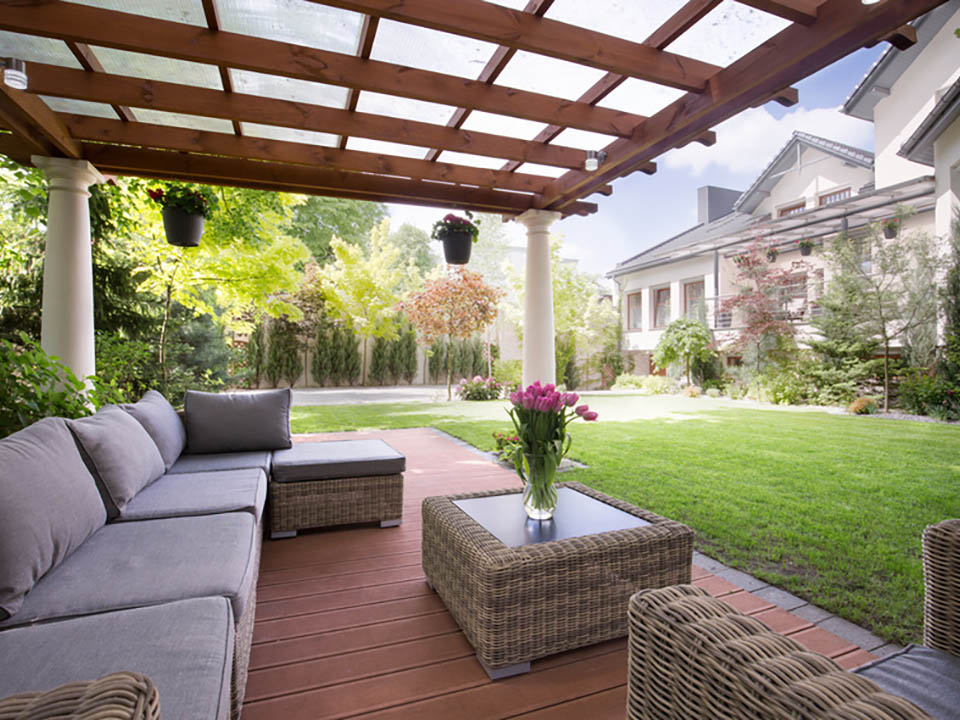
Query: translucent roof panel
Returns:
{"type": "Point", "coordinates": [36, 49]}
{"type": "Point", "coordinates": [545, 170]}
{"type": "Point", "coordinates": [385, 148]}
{"type": "Point", "coordinates": [727, 33]}
{"type": "Point", "coordinates": [503, 125]}
{"type": "Point", "coordinates": [182, 11]}
{"type": "Point", "coordinates": [479, 161]}
{"type": "Point", "coordinates": [79, 107]}
{"type": "Point", "coordinates": [548, 76]}
{"type": "Point", "coordinates": [284, 88]}
{"type": "Point", "coordinates": [514, 4]}
{"type": "Point", "coordinates": [405, 108]}
{"type": "Point", "coordinates": [571, 137]}
{"type": "Point", "coordinates": [273, 132]}
{"type": "Point", "coordinates": [427, 49]}
{"type": "Point", "coordinates": [153, 67]}
{"type": "Point", "coordinates": [191, 122]}
{"type": "Point", "coordinates": [626, 19]}
{"type": "Point", "coordinates": [293, 21]}
{"type": "Point", "coordinates": [640, 97]}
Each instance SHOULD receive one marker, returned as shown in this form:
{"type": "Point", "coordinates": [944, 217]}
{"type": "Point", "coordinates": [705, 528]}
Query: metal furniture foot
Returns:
{"type": "Point", "coordinates": [506, 671]}
{"type": "Point", "coordinates": [282, 534]}
{"type": "Point", "coordinates": [390, 523]}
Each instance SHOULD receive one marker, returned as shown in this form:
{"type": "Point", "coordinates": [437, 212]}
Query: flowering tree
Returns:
{"type": "Point", "coordinates": [457, 304]}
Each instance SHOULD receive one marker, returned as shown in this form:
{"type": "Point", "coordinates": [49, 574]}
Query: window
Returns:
{"type": "Point", "coordinates": [793, 297]}
{"type": "Point", "coordinates": [792, 209]}
{"type": "Point", "coordinates": [661, 309]}
{"type": "Point", "coordinates": [834, 196]}
{"type": "Point", "coordinates": [634, 309]}
{"type": "Point", "coordinates": [694, 303]}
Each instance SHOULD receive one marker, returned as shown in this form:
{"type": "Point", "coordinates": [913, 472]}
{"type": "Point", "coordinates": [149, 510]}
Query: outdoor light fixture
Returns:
{"type": "Point", "coordinates": [594, 158]}
{"type": "Point", "coordinates": [15, 73]}
{"type": "Point", "coordinates": [869, 2]}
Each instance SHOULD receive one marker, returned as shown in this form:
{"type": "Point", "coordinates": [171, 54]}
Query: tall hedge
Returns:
{"type": "Point", "coordinates": [380, 359]}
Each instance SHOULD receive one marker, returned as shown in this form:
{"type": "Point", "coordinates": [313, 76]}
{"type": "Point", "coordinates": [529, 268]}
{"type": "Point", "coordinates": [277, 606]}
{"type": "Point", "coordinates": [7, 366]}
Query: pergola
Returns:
{"type": "Point", "coordinates": [214, 91]}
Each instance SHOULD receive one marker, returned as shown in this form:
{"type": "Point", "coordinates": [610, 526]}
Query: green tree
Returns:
{"type": "Point", "coordinates": [380, 361]}
{"type": "Point", "coordinates": [320, 363]}
{"type": "Point", "coordinates": [950, 360]}
{"type": "Point", "coordinates": [414, 243]}
{"type": "Point", "coordinates": [255, 354]}
{"type": "Point", "coordinates": [684, 340]}
{"type": "Point", "coordinates": [338, 355]}
{"type": "Point", "coordinates": [363, 285]}
{"type": "Point", "coordinates": [406, 365]}
{"type": "Point", "coordinates": [318, 220]}
{"type": "Point", "coordinates": [353, 367]}
{"type": "Point", "coordinates": [283, 353]}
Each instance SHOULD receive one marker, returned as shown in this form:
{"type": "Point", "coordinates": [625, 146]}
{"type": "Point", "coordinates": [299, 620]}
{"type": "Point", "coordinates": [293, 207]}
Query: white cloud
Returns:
{"type": "Point", "coordinates": [747, 142]}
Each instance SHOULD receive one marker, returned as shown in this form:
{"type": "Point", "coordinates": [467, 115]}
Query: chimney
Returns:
{"type": "Point", "coordinates": [714, 202]}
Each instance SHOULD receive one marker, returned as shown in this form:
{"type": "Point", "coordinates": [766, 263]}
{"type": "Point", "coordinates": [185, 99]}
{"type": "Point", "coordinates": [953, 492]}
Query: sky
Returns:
{"type": "Point", "coordinates": [646, 210]}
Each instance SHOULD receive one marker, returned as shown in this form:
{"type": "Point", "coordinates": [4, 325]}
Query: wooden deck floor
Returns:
{"type": "Point", "coordinates": [347, 627]}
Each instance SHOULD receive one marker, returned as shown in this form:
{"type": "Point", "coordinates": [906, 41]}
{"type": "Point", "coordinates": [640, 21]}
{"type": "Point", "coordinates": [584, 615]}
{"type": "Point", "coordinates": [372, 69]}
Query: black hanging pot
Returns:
{"type": "Point", "coordinates": [889, 231]}
{"type": "Point", "coordinates": [456, 246]}
{"type": "Point", "coordinates": [805, 250]}
{"type": "Point", "coordinates": [182, 229]}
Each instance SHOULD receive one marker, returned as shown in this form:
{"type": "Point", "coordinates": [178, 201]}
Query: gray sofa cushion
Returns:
{"type": "Point", "coordinates": [336, 459]}
{"type": "Point", "coordinates": [122, 455]}
{"type": "Point", "coordinates": [206, 493]}
{"type": "Point", "coordinates": [49, 504]}
{"type": "Point", "coordinates": [188, 463]}
{"type": "Point", "coordinates": [930, 679]}
{"type": "Point", "coordinates": [237, 422]}
{"type": "Point", "coordinates": [132, 564]}
{"type": "Point", "coordinates": [162, 423]}
{"type": "Point", "coordinates": [185, 647]}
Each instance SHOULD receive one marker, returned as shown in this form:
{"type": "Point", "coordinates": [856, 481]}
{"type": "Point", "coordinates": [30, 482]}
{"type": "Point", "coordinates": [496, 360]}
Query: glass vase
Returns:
{"type": "Point", "coordinates": [540, 489]}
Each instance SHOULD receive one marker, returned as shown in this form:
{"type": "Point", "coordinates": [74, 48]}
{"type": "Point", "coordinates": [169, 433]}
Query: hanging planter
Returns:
{"type": "Point", "coordinates": [772, 255]}
{"type": "Point", "coordinates": [891, 226]}
{"type": "Point", "coordinates": [806, 246]}
{"type": "Point", "coordinates": [457, 235]}
{"type": "Point", "coordinates": [184, 212]}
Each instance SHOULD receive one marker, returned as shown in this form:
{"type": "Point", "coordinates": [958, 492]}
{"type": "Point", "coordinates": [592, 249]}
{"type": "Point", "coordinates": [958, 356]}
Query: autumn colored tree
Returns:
{"type": "Point", "coordinates": [455, 303]}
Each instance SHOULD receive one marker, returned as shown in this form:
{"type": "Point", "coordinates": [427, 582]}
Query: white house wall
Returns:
{"type": "Point", "coordinates": [946, 153]}
{"type": "Point", "coordinates": [911, 99]}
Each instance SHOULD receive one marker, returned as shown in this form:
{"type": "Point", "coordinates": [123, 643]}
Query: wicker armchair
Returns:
{"type": "Point", "coordinates": [693, 656]}
{"type": "Point", "coordinates": [119, 696]}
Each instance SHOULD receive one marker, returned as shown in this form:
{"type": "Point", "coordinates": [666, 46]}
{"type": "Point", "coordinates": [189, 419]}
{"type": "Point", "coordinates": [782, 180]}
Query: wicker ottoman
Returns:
{"type": "Point", "coordinates": [340, 482]}
{"type": "Point", "coordinates": [551, 586]}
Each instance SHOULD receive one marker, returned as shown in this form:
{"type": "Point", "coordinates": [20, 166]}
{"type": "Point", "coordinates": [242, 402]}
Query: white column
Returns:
{"type": "Point", "coordinates": [66, 328]}
{"type": "Point", "coordinates": [539, 361]}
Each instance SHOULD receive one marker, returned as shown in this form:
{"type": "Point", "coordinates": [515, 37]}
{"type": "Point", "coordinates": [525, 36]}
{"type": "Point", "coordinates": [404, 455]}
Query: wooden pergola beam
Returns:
{"type": "Point", "coordinates": [525, 31]}
{"type": "Point", "coordinates": [791, 55]}
{"type": "Point", "coordinates": [164, 137]}
{"type": "Point", "coordinates": [368, 31]}
{"type": "Point", "coordinates": [36, 124]}
{"type": "Point", "coordinates": [98, 87]}
{"type": "Point", "coordinates": [89, 62]}
{"type": "Point", "coordinates": [136, 33]}
{"type": "Point", "coordinates": [798, 11]}
{"type": "Point", "coordinates": [212, 16]}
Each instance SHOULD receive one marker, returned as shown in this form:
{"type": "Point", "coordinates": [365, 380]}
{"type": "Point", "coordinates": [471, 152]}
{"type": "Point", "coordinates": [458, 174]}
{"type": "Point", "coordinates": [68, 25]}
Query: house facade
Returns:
{"type": "Point", "coordinates": [813, 189]}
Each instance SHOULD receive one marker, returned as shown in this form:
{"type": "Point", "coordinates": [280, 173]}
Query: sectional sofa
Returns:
{"type": "Point", "coordinates": [130, 541]}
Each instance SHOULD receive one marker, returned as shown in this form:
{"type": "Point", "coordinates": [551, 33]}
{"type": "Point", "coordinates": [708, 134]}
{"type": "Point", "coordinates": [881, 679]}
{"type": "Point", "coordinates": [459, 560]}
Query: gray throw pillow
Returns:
{"type": "Point", "coordinates": [237, 422]}
{"type": "Point", "coordinates": [162, 423]}
{"type": "Point", "coordinates": [49, 504]}
{"type": "Point", "coordinates": [121, 454]}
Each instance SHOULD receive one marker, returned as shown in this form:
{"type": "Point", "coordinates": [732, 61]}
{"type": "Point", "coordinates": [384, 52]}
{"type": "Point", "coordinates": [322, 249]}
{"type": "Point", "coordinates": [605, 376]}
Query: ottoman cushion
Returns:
{"type": "Point", "coordinates": [336, 459]}
{"type": "Point", "coordinates": [928, 678]}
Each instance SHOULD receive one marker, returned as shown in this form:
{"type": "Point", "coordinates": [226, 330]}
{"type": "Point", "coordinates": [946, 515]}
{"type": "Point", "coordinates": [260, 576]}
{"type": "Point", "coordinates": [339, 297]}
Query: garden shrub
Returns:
{"type": "Point", "coordinates": [352, 360]}
{"type": "Point", "coordinates": [863, 406]}
{"type": "Point", "coordinates": [692, 391]}
{"type": "Point", "coordinates": [735, 389]}
{"type": "Point", "coordinates": [509, 373]}
{"type": "Point", "coordinates": [437, 360]}
{"type": "Point", "coordinates": [283, 353]}
{"type": "Point", "coordinates": [254, 356]}
{"type": "Point", "coordinates": [925, 394]}
{"type": "Point", "coordinates": [713, 392]}
{"type": "Point", "coordinates": [628, 381]}
{"type": "Point", "coordinates": [784, 386]}
{"type": "Point", "coordinates": [480, 388]}
{"type": "Point", "coordinates": [379, 361]}
{"type": "Point", "coordinates": [508, 447]}
{"type": "Point", "coordinates": [659, 385]}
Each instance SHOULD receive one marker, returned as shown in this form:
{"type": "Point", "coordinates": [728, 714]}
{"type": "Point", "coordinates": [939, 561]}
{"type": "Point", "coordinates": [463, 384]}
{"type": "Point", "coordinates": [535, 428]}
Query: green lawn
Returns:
{"type": "Point", "coordinates": [828, 507]}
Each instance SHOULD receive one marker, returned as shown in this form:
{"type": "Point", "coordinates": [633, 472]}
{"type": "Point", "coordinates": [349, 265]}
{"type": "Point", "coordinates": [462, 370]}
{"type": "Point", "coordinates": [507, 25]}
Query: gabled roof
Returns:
{"type": "Point", "coordinates": [919, 146]}
{"type": "Point", "coordinates": [786, 159]}
{"type": "Point", "coordinates": [892, 63]}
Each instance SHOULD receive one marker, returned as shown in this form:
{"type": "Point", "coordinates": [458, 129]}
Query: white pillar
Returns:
{"type": "Point", "coordinates": [66, 328]}
{"type": "Point", "coordinates": [539, 361]}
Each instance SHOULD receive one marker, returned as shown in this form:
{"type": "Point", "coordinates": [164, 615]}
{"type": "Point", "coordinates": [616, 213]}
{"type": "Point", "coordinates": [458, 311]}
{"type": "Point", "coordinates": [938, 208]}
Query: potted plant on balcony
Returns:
{"type": "Point", "coordinates": [891, 226]}
{"type": "Point", "coordinates": [184, 210]}
{"type": "Point", "coordinates": [806, 246]}
{"type": "Point", "coordinates": [457, 235]}
{"type": "Point", "coordinates": [772, 254]}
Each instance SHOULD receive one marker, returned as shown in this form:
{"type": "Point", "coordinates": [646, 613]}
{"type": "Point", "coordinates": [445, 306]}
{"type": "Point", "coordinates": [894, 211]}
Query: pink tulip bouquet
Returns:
{"type": "Point", "coordinates": [540, 415]}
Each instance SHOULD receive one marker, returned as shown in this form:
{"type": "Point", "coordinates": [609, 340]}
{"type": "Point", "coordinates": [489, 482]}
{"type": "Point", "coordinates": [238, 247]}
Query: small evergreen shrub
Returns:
{"type": "Point", "coordinates": [713, 392]}
{"type": "Point", "coordinates": [380, 361]}
{"type": "Point", "coordinates": [659, 385]}
{"type": "Point", "coordinates": [352, 360]}
{"type": "Point", "coordinates": [863, 406]}
{"type": "Point", "coordinates": [735, 390]}
{"type": "Point", "coordinates": [627, 381]}
{"type": "Point", "coordinates": [924, 394]}
{"type": "Point", "coordinates": [480, 388]}
{"type": "Point", "coordinates": [692, 391]}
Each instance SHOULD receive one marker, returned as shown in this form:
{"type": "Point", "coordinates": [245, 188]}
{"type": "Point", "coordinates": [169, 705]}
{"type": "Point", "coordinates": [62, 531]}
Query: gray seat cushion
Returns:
{"type": "Point", "coordinates": [222, 461]}
{"type": "Point", "coordinates": [132, 564]}
{"type": "Point", "coordinates": [336, 459]}
{"type": "Point", "coordinates": [930, 679]}
{"type": "Point", "coordinates": [185, 647]}
{"type": "Point", "coordinates": [49, 505]}
{"type": "Point", "coordinates": [162, 423]}
{"type": "Point", "coordinates": [121, 455]}
{"type": "Point", "coordinates": [238, 421]}
{"type": "Point", "coordinates": [205, 493]}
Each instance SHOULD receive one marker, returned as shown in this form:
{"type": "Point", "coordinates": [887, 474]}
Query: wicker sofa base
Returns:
{"type": "Point", "coordinates": [517, 604]}
{"type": "Point", "coordinates": [118, 696]}
{"type": "Point", "coordinates": [341, 501]}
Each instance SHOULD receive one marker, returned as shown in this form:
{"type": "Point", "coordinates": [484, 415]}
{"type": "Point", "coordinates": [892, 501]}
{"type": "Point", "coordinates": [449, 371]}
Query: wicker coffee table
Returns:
{"type": "Point", "coordinates": [522, 590]}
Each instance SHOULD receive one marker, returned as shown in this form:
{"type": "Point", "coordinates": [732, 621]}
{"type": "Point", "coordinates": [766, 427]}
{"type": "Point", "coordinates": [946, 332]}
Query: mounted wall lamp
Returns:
{"type": "Point", "coordinates": [594, 158]}
{"type": "Point", "coordinates": [14, 73]}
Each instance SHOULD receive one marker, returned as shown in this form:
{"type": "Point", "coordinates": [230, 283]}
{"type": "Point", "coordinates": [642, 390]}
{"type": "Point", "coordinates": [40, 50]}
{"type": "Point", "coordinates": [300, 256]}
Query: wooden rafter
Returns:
{"type": "Point", "coordinates": [85, 127]}
{"type": "Point", "coordinates": [791, 55]}
{"type": "Point", "coordinates": [212, 16]}
{"type": "Point", "coordinates": [368, 31]}
{"type": "Point", "coordinates": [525, 31]}
{"type": "Point", "coordinates": [89, 62]}
{"type": "Point", "coordinates": [77, 84]}
{"type": "Point", "coordinates": [803, 12]}
{"type": "Point", "coordinates": [35, 124]}
{"type": "Point", "coordinates": [136, 33]}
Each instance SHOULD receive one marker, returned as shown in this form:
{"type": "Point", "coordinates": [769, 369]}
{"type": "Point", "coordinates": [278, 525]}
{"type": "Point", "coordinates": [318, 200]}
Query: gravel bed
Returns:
{"type": "Point", "coordinates": [897, 415]}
